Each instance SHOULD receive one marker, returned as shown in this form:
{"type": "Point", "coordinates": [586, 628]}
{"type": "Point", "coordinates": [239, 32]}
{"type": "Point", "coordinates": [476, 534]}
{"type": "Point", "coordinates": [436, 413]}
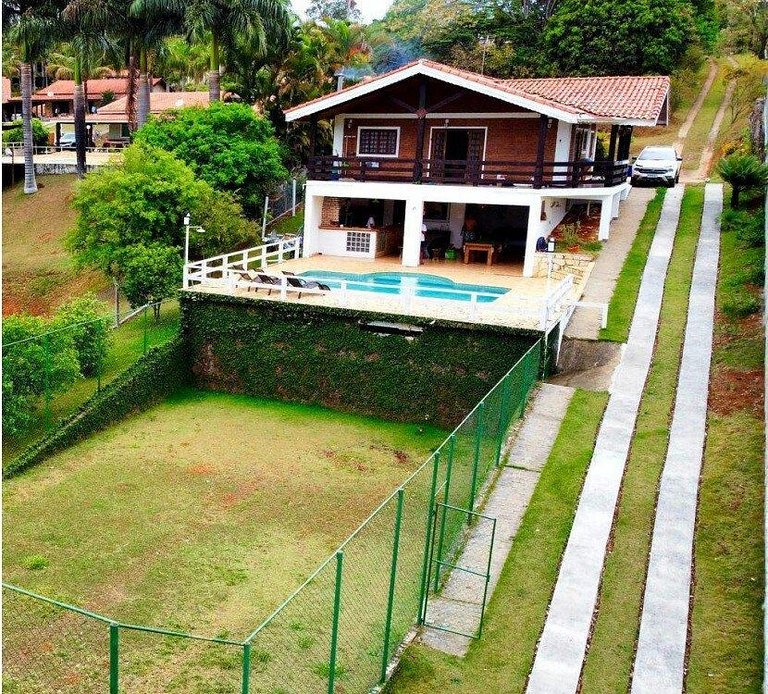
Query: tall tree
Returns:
{"type": "Point", "coordinates": [220, 23]}
{"type": "Point", "coordinates": [32, 26]}
{"type": "Point", "coordinates": [344, 10]}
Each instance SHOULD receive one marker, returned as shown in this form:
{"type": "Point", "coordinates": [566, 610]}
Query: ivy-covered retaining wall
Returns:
{"type": "Point", "coordinates": [158, 373]}
{"type": "Point", "coordinates": [323, 355]}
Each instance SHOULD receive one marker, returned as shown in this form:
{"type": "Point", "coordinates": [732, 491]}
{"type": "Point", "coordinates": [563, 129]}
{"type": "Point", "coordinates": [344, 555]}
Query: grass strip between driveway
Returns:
{"type": "Point", "coordinates": [622, 305]}
{"type": "Point", "coordinates": [696, 141]}
{"type": "Point", "coordinates": [726, 621]}
{"type": "Point", "coordinates": [611, 652]}
{"type": "Point", "coordinates": [501, 660]}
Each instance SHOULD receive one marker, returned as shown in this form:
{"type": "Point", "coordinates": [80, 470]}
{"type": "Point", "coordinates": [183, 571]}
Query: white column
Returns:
{"type": "Point", "coordinates": [534, 231]}
{"type": "Point", "coordinates": [338, 136]}
{"type": "Point", "coordinates": [615, 206]}
{"type": "Point", "coordinates": [313, 210]}
{"type": "Point", "coordinates": [606, 210]}
{"type": "Point", "coordinates": [414, 216]}
{"type": "Point", "coordinates": [562, 147]}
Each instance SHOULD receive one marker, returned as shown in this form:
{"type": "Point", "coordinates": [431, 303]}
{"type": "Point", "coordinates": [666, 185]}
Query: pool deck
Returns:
{"type": "Point", "coordinates": [519, 307]}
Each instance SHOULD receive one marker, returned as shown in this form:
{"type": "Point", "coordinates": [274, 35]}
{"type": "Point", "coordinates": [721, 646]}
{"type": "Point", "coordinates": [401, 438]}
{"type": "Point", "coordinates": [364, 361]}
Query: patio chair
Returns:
{"type": "Point", "coordinates": [268, 281]}
{"type": "Point", "coordinates": [306, 285]}
{"type": "Point", "coordinates": [249, 278]}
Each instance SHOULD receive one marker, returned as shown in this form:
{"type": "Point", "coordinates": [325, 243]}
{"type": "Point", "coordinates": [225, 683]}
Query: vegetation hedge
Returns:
{"type": "Point", "coordinates": [321, 355]}
{"type": "Point", "coordinates": [157, 374]}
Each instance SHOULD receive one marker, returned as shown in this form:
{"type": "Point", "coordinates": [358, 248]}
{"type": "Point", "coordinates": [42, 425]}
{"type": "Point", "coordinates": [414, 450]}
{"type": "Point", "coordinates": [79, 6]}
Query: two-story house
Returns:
{"type": "Point", "coordinates": [428, 158]}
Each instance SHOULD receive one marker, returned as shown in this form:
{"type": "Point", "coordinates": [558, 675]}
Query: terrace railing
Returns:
{"type": "Point", "coordinates": [223, 273]}
{"type": "Point", "coordinates": [210, 271]}
{"type": "Point", "coordinates": [524, 174]}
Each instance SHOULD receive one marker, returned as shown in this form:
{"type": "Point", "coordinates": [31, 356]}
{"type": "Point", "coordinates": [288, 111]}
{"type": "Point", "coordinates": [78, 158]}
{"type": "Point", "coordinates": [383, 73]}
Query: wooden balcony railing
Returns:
{"type": "Point", "coordinates": [524, 174]}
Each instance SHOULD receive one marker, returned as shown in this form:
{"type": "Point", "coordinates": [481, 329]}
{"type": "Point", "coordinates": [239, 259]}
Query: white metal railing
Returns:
{"type": "Point", "coordinates": [223, 272]}
{"type": "Point", "coordinates": [223, 267]}
{"type": "Point", "coordinates": [16, 149]}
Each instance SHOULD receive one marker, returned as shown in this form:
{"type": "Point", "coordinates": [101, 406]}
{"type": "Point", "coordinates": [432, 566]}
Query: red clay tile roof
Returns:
{"type": "Point", "coordinates": [65, 88]}
{"type": "Point", "coordinates": [161, 101]}
{"type": "Point", "coordinates": [6, 90]}
{"type": "Point", "coordinates": [622, 97]}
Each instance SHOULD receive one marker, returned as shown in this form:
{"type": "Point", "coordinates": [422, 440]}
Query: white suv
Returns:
{"type": "Point", "coordinates": [657, 164]}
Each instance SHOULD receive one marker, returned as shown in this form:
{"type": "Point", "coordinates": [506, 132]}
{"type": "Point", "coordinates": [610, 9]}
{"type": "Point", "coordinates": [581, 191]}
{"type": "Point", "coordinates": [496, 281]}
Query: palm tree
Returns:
{"type": "Point", "coordinates": [86, 22]}
{"type": "Point", "coordinates": [31, 25]}
{"type": "Point", "coordinates": [222, 22]}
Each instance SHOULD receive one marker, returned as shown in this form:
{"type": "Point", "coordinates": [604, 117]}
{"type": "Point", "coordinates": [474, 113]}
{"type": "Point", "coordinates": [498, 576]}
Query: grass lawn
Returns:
{"type": "Point", "coordinates": [201, 515]}
{"type": "Point", "coordinates": [127, 346]}
{"type": "Point", "coordinates": [622, 304]}
{"type": "Point", "coordinates": [500, 661]}
{"type": "Point", "coordinates": [611, 652]}
{"type": "Point", "coordinates": [288, 224]}
{"type": "Point", "coordinates": [726, 621]}
{"type": "Point", "coordinates": [38, 274]}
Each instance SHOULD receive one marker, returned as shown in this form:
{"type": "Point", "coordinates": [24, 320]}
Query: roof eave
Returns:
{"type": "Point", "coordinates": [365, 88]}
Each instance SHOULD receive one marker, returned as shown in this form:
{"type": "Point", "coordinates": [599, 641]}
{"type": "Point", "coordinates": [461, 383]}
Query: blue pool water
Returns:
{"type": "Point", "coordinates": [428, 286]}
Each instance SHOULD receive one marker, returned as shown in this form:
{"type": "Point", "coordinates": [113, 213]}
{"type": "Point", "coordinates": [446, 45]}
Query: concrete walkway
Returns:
{"type": "Point", "coordinates": [458, 605]}
{"type": "Point", "coordinates": [563, 642]}
{"type": "Point", "coordinates": [585, 323]}
{"type": "Point", "coordinates": [660, 657]}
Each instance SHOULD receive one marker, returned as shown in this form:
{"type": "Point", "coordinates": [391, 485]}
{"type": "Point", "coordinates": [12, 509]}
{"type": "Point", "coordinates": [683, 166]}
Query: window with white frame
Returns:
{"type": "Point", "coordinates": [378, 142]}
{"type": "Point", "coordinates": [586, 142]}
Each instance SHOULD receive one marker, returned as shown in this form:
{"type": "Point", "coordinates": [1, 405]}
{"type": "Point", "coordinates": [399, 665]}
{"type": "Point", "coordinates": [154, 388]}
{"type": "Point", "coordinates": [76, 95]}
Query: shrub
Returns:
{"type": "Point", "coordinates": [89, 327]}
{"type": "Point", "coordinates": [743, 172]}
{"type": "Point", "coordinates": [149, 274]}
{"type": "Point", "coordinates": [15, 134]}
{"type": "Point", "coordinates": [36, 364]}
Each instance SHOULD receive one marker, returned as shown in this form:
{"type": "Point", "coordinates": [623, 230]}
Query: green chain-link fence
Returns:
{"type": "Point", "coordinates": [131, 334]}
{"type": "Point", "coordinates": [336, 633]}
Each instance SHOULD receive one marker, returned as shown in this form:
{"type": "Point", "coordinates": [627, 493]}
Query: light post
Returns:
{"type": "Point", "coordinates": [550, 254]}
{"type": "Point", "coordinates": [187, 228]}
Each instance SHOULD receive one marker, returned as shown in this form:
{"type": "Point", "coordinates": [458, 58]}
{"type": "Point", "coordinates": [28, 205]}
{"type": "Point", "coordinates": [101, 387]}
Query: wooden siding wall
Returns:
{"type": "Point", "coordinates": [508, 139]}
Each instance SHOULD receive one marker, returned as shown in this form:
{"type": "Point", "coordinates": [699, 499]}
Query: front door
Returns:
{"type": "Point", "coordinates": [457, 154]}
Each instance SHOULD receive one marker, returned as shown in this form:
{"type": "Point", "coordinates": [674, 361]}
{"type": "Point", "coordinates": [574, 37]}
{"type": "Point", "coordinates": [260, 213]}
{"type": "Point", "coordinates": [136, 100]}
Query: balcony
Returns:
{"type": "Point", "coordinates": [520, 174]}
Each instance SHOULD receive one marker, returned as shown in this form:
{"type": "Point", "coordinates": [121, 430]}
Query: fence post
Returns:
{"type": "Point", "coordinates": [503, 419]}
{"type": "Point", "coordinates": [246, 668]}
{"type": "Point", "coordinates": [446, 500]}
{"type": "Point", "coordinates": [293, 198]}
{"type": "Point", "coordinates": [392, 577]}
{"type": "Point", "coordinates": [428, 540]}
{"type": "Point", "coordinates": [478, 438]}
{"type": "Point", "coordinates": [47, 379]}
{"type": "Point", "coordinates": [114, 658]}
{"type": "Point", "coordinates": [335, 626]}
{"type": "Point", "coordinates": [264, 219]}
{"type": "Point", "coordinates": [145, 328]}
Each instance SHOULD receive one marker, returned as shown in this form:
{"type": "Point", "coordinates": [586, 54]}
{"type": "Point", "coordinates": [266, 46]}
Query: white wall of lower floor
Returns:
{"type": "Point", "coordinates": [546, 207]}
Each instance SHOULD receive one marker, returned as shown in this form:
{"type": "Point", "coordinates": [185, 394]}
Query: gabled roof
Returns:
{"type": "Point", "coordinates": [66, 88]}
{"type": "Point", "coordinates": [626, 99]}
{"type": "Point", "coordinates": [161, 101]}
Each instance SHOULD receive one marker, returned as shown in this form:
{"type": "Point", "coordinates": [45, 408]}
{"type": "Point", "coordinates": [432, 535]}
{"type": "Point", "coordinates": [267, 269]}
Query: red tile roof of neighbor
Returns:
{"type": "Point", "coordinates": [65, 88]}
{"type": "Point", "coordinates": [621, 97]}
{"type": "Point", "coordinates": [6, 90]}
{"type": "Point", "coordinates": [160, 101]}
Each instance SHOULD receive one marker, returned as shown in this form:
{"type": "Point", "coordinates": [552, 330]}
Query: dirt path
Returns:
{"type": "Point", "coordinates": [705, 161]}
{"type": "Point", "coordinates": [694, 110]}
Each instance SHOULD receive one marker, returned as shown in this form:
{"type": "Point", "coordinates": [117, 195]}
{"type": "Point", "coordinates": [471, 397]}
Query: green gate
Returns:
{"type": "Point", "coordinates": [460, 569]}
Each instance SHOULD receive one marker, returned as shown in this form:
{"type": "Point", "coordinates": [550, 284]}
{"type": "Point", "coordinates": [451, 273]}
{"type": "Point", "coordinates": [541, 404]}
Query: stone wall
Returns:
{"type": "Point", "coordinates": [563, 264]}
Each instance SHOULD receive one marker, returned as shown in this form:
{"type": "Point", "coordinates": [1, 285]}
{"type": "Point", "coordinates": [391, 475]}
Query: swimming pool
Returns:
{"type": "Point", "coordinates": [426, 286]}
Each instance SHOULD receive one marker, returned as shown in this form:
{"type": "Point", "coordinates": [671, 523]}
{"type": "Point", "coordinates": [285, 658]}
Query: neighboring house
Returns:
{"type": "Point", "coordinates": [110, 125]}
{"type": "Point", "coordinates": [470, 157]}
{"type": "Point", "coordinates": [11, 106]}
{"type": "Point", "coordinates": [57, 99]}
